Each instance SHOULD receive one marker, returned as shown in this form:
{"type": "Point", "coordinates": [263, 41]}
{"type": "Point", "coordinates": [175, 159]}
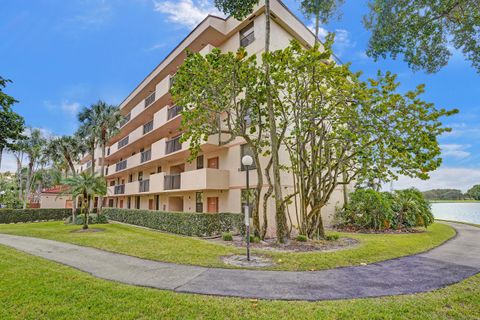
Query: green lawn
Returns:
{"type": "Point", "coordinates": [186, 250]}
{"type": "Point", "coordinates": [34, 288]}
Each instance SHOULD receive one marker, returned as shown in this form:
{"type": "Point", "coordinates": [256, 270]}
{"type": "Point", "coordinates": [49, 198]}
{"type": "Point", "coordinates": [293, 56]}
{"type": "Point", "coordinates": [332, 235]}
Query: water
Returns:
{"type": "Point", "coordinates": [457, 211]}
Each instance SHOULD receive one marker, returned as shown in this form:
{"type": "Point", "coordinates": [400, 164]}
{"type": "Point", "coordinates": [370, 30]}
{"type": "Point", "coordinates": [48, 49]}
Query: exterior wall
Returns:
{"type": "Point", "coordinates": [54, 201]}
{"type": "Point", "coordinates": [224, 183]}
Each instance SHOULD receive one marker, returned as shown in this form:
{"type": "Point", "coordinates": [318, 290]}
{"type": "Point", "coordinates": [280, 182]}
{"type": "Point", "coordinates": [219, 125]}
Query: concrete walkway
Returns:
{"type": "Point", "coordinates": [449, 263]}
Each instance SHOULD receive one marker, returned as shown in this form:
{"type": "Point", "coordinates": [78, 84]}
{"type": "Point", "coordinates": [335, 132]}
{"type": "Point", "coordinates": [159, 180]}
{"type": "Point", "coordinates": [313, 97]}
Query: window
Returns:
{"type": "Point", "coordinates": [140, 176]}
{"type": "Point", "coordinates": [121, 165]}
{"type": "Point", "coordinates": [247, 35]}
{"type": "Point", "coordinates": [200, 162]}
{"type": "Point", "coordinates": [110, 203]}
{"type": "Point", "coordinates": [108, 151]}
{"type": "Point", "coordinates": [199, 202]}
{"type": "Point", "coordinates": [150, 99]}
{"type": "Point", "coordinates": [122, 143]}
{"type": "Point", "coordinates": [173, 145]}
{"type": "Point", "coordinates": [146, 155]}
{"type": "Point", "coordinates": [245, 149]}
{"type": "Point", "coordinates": [129, 202]}
{"type": "Point", "coordinates": [173, 112]}
{"type": "Point", "coordinates": [159, 169]}
{"type": "Point", "coordinates": [251, 199]}
{"type": "Point", "coordinates": [130, 177]}
{"type": "Point", "coordinates": [147, 127]}
{"type": "Point", "coordinates": [137, 202]}
{"type": "Point", "coordinates": [157, 202]}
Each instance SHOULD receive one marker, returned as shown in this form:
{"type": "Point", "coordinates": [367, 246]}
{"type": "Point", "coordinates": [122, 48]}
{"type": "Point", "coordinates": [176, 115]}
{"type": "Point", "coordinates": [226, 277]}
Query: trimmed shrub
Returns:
{"type": "Point", "coordinates": [302, 238]}
{"type": "Point", "coordinates": [227, 236]}
{"type": "Point", "coordinates": [369, 209]}
{"type": "Point", "coordinates": [32, 215]}
{"type": "Point", "coordinates": [186, 223]}
{"type": "Point", "coordinates": [92, 219]}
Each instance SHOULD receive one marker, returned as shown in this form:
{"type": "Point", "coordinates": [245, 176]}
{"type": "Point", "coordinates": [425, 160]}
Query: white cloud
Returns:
{"type": "Point", "coordinates": [69, 108]}
{"type": "Point", "coordinates": [97, 12]}
{"type": "Point", "coordinates": [343, 40]}
{"type": "Point", "coordinates": [155, 47]}
{"type": "Point", "coordinates": [187, 13]}
{"type": "Point", "coordinates": [453, 150]}
{"type": "Point", "coordinates": [445, 177]}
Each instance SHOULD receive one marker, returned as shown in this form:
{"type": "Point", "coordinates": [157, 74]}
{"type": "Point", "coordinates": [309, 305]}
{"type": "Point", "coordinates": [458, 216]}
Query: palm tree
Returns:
{"type": "Point", "coordinates": [34, 148]}
{"type": "Point", "coordinates": [64, 152]}
{"type": "Point", "coordinates": [101, 122]}
{"type": "Point", "coordinates": [86, 186]}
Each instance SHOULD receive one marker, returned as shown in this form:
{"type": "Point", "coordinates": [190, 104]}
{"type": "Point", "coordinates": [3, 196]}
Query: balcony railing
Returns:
{"type": "Point", "coordinates": [125, 119]}
{"type": "Point", "coordinates": [146, 155]}
{"type": "Point", "coordinates": [144, 186]}
{"type": "Point", "coordinates": [173, 145]}
{"type": "Point", "coordinates": [122, 165]}
{"type": "Point", "coordinates": [150, 99]}
{"type": "Point", "coordinates": [173, 112]}
{"type": "Point", "coordinates": [172, 182]}
{"type": "Point", "coordinates": [119, 189]}
{"type": "Point", "coordinates": [247, 39]}
{"type": "Point", "coordinates": [122, 143]}
{"type": "Point", "coordinates": [147, 127]}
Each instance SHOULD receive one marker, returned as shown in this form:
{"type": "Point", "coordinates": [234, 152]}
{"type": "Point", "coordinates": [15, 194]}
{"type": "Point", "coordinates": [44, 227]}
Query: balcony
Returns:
{"type": "Point", "coordinates": [122, 165]}
{"type": "Point", "coordinates": [125, 119]}
{"type": "Point", "coordinates": [144, 186]}
{"type": "Point", "coordinates": [173, 112]}
{"type": "Point", "coordinates": [173, 145]}
{"type": "Point", "coordinates": [146, 156]}
{"type": "Point", "coordinates": [205, 179]}
{"type": "Point", "coordinates": [122, 143]}
{"type": "Point", "coordinates": [172, 182]}
{"type": "Point", "coordinates": [119, 189]}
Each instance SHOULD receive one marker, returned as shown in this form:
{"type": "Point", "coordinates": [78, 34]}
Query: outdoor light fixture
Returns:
{"type": "Point", "coordinates": [247, 161]}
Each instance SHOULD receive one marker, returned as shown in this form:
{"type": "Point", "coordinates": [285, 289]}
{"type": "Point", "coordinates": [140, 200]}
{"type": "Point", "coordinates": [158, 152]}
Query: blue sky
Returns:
{"type": "Point", "coordinates": [62, 55]}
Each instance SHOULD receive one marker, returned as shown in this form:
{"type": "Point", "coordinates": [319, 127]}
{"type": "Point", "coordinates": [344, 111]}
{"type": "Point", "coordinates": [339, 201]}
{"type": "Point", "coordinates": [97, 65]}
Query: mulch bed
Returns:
{"type": "Point", "coordinates": [293, 245]}
{"type": "Point", "coordinates": [386, 231]}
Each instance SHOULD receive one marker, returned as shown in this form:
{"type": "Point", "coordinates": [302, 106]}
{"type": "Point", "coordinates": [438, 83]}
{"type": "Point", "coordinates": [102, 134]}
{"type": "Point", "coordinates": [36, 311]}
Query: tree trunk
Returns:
{"type": "Point", "coordinates": [1, 153]}
{"type": "Point", "coordinates": [28, 184]}
{"type": "Point", "coordinates": [280, 217]}
{"type": "Point", "coordinates": [102, 174]}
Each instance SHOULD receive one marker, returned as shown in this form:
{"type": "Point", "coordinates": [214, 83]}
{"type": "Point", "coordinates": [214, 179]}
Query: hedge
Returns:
{"type": "Point", "coordinates": [185, 223]}
{"type": "Point", "coordinates": [93, 218]}
{"type": "Point", "coordinates": [31, 215]}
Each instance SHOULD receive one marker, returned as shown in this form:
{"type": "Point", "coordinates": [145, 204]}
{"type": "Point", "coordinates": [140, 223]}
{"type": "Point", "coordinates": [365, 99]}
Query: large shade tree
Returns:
{"type": "Point", "coordinates": [347, 130]}
{"type": "Point", "coordinates": [12, 124]}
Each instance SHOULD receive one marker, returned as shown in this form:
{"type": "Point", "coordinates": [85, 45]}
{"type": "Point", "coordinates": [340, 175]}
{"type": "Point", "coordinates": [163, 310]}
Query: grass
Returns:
{"type": "Point", "coordinates": [186, 250]}
{"type": "Point", "coordinates": [34, 288]}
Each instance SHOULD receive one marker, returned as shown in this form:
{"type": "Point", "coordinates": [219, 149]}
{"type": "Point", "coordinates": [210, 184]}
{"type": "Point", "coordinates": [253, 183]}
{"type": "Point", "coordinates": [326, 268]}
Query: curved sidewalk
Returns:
{"type": "Point", "coordinates": [449, 263]}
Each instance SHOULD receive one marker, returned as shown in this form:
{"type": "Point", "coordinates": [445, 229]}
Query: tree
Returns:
{"type": "Point", "coordinates": [349, 129]}
{"type": "Point", "coordinates": [239, 10]}
{"type": "Point", "coordinates": [11, 123]}
{"type": "Point", "coordinates": [34, 147]}
{"type": "Point", "coordinates": [222, 95]}
{"type": "Point", "coordinates": [474, 192]}
{"type": "Point", "coordinates": [424, 32]}
{"type": "Point", "coordinates": [321, 10]}
{"type": "Point", "coordinates": [85, 186]}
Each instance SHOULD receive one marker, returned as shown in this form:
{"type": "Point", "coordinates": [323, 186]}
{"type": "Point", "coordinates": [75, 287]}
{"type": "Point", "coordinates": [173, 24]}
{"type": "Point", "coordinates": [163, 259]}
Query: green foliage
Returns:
{"type": "Point", "coordinates": [239, 9]}
{"type": "Point", "coordinates": [411, 209]}
{"type": "Point", "coordinates": [332, 237]}
{"type": "Point", "coordinates": [474, 192]}
{"type": "Point", "coordinates": [367, 209]}
{"type": "Point", "coordinates": [444, 194]}
{"type": "Point", "coordinates": [32, 215]}
{"type": "Point", "coordinates": [186, 223]}
{"type": "Point", "coordinates": [227, 236]}
{"type": "Point", "coordinates": [424, 32]}
{"type": "Point", "coordinates": [324, 9]}
{"type": "Point", "coordinates": [370, 209]}
{"type": "Point", "coordinates": [302, 238]}
{"type": "Point", "coordinates": [92, 219]}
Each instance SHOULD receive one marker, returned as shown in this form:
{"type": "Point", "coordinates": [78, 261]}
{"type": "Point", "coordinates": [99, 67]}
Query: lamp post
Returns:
{"type": "Point", "coordinates": [247, 161]}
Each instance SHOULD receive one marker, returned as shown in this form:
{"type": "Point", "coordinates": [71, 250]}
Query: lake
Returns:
{"type": "Point", "coordinates": [457, 211]}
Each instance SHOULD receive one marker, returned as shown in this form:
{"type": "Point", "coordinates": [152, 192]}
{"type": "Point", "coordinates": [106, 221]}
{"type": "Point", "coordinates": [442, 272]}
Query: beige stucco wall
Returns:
{"type": "Point", "coordinates": [53, 201]}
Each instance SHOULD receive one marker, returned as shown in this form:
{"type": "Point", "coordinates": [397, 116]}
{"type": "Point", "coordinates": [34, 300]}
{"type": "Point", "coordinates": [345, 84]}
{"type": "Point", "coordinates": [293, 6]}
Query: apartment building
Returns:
{"type": "Point", "coordinates": [147, 162]}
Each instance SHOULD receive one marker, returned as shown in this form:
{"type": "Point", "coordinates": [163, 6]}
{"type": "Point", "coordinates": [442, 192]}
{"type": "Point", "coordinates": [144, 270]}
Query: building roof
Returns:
{"type": "Point", "coordinates": [55, 189]}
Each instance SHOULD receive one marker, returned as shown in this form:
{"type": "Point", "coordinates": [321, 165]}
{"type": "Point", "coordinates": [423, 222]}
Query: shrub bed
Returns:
{"type": "Point", "coordinates": [185, 223]}
{"type": "Point", "coordinates": [93, 218]}
{"type": "Point", "coordinates": [370, 209]}
{"type": "Point", "coordinates": [31, 215]}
